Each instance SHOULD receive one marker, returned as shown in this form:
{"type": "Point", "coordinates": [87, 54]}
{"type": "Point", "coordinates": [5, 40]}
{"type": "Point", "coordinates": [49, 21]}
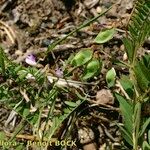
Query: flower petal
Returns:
{"type": "Point", "coordinates": [59, 72]}
{"type": "Point", "coordinates": [30, 59]}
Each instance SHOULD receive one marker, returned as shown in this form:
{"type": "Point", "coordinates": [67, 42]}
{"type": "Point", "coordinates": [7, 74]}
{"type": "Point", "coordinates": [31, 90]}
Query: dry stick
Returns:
{"type": "Point", "coordinates": [28, 137]}
{"type": "Point", "coordinates": [123, 91]}
{"type": "Point", "coordinates": [53, 45]}
{"type": "Point", "coordinates": [8, 31]}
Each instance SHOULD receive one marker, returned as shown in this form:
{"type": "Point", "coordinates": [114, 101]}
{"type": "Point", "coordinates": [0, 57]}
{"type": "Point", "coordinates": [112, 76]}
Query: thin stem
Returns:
{"type": "Point", "coordinates": [53, 45]}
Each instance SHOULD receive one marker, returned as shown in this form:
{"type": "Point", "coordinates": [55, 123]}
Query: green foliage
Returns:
{"type": "Point", "coordinates": [19, 147]}
{"type": "Point", "coordinates": [139, 26]}
{"type": "Point", "coordinates": [145, 146]}
{"type": "Point", "coordinates": [142, 74]}
{"type": "Point", "coordinates": [127, 86]}
{"type": "Point", "coordinates": [2, 136]}
{"type": "Point", "coordinates": [127, 113]}
{"type": "Point", "coordinates": [104, 36]}
{"type": "Point", "coordinates": [136, 85]}
{"type": "Point", "coordinates": [28, 100]}
{"type": "Point", "coordinates": [144, 126]}
{"type": "Point", "coordinates": [27, 92]}
{"type": "Point", "coordinates": [126, 135]}
{"type": "Point", "coordinates": [2, 62]}
{"type": "Point", "coordinates": [57, 120]}
{"type": "Point", "coordinates": [82, 57]}
{"type": "Point", "coordinates": [110, 77]}
{"type": "Point", "coordinates": [92, 69]}
{"type": "Point", "coordinates": [71, 104]}
{"type": "Point", "coordinates": [129, 48]}
{"type": "Point", "coordinates": [146, 61]}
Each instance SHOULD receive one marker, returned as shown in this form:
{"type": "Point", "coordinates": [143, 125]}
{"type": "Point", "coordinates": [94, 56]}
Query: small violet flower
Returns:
{"type": "Point", "coordinates": [59, 72]}
{"type": "Point", "coordinates": [30, 59]}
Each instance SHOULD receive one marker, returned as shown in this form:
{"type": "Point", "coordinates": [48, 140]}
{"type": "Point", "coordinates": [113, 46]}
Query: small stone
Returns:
{"type": "Point", "coordinates": [54, 20]}
{"type": "Point", "coordinates": [90, 4]}
{"type": "Point", "coordinates": [85, 135]}
{"type": "Point", "coordinates": [18, 52]}
{"type": "Point", "coordinates": [46, 42]}
{"type": "Point", "coordinates": [122, 47]}
{"type": "Point", "coordinates": [104, 97]}
{"type": "Point", "coordinates": [125, 57]}
{"type": "Point", "coordinates": [98, 9]}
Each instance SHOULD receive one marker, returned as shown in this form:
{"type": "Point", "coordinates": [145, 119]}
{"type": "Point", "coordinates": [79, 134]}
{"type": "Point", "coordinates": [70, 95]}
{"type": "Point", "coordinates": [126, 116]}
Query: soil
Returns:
{"type": "Point", "coordinates": [36, 24]}
{"type": "Point", "coordinates": [30, 26]}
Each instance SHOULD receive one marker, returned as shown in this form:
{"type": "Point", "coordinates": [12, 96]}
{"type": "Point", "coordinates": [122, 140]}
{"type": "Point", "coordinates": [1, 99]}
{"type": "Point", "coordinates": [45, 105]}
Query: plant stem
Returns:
{"type": "Point", "coordinates": [2, 62]}
{"type": "Point", "coordinates": [53, 45]}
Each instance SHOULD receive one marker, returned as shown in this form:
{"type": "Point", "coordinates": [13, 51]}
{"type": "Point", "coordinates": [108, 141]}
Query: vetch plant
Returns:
{"type": "Point", "coordinates": [136, 89]}
{"type": "Point", "coordinates": [31, 96]}
{"type": "Point", "coordinates": [33, 93]}
{"type": "Point", "coordinates": [28, 92]}
{"type": "Point", "coordinates": [91, 66]}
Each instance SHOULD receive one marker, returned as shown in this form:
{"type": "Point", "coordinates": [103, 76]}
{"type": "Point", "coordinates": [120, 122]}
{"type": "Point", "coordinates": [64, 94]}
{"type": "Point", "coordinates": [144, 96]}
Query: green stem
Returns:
{"type": "Point", "coordinates": [53, 45]}
{"type": "Point", "coordinates": [2, 62]}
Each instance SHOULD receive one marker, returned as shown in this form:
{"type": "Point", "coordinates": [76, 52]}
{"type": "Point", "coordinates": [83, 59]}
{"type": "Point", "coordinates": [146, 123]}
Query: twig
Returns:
{"type": "Point", "coordinates": [102, 106]}
{"type": "Point", "coordinates": [29, 137]}
{"type": "Point", "coordinates": [122, 90]}
{"type": "Point", "coordinates": [23, 93]}
{"type": "Point", "coordinates": [8, 31]}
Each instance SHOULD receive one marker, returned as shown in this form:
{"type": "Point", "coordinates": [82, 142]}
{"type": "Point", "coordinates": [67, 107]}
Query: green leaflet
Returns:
{"type": "Point", "coordinates": [144, 126]}
{"type": "Point", "coordinates": [146, 61]}
{"type": "Point", "coordinates": [129, 47]}
{"type": "Point", "coordinates": [126, 135]}
{"type": "Point", "coordinates": [110, 77]}
{"type": "Point", "coordinates": [71, 104]}
{"type": "Point", "coordinates": [145, 146]}
{"type": "Point", "coordinates": [92, 68]}
{"type": "Point", "coordinates": [105, 36]}
{"type": "Point", "coordinates": [127, 113]}
{"type": "Point", "coordinates": [127, 86]}
{"type": "Point", "coordinates": [142, 75]}
{"type": "Point", "coordinates": [82, 57]}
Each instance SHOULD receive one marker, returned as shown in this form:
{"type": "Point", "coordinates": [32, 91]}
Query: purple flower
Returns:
{"type": "Point", "coordinates": [30, 59]}
{"type": "Point", "coordinates": [59, 72]}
